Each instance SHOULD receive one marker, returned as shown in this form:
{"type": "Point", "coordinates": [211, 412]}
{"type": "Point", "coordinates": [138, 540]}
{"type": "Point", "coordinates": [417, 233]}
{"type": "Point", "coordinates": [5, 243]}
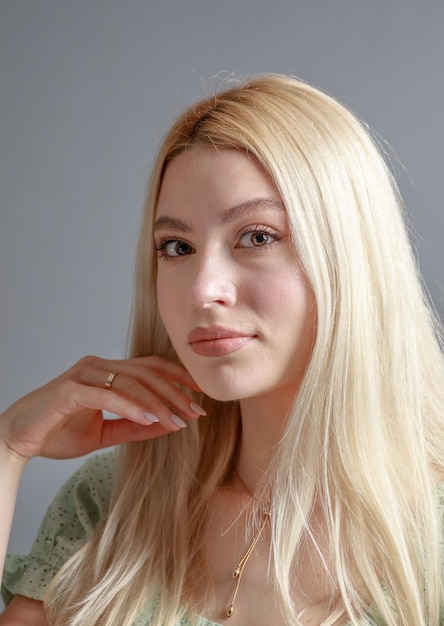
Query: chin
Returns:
{"type": "Point", "coordinates": [228, 384]}
{"type": "Point", "coordinates": [227, 392]}
{"type": "Point", "coordinates": [221, 395]}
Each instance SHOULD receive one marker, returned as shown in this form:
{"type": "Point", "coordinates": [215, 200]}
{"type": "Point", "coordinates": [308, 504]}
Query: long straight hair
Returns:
{"type": "Point", "coordinates": [365, 438]}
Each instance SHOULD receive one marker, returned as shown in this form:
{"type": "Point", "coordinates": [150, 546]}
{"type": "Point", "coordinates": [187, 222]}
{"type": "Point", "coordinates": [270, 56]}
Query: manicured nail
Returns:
{"type": "Point", "coordinates": [176, 420]}
{"type": "Point", "coordinates": [197, 409]}
{"type": "Point", "coordinates": [150, 418]}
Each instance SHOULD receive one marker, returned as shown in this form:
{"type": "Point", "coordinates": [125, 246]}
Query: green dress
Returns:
{"type": "Point", "coordinates": [69, 522]}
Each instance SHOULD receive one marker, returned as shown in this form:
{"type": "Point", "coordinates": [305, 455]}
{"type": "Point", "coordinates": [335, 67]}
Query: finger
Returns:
{"type": "Point", "coordinates": [119, 431]}
{"type": "Point", "coordinates": [72, 397]}
{"type": "Point", "coordinates": [150, 390]}
{"type": "Point", "coordinates": [173, 371]}
{"type": "Point", "coordinates": [154, 406]}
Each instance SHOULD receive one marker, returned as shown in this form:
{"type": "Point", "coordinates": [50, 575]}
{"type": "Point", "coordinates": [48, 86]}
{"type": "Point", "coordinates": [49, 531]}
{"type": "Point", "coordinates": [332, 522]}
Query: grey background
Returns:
{"type": "Point", "coordinates": [87, 87]}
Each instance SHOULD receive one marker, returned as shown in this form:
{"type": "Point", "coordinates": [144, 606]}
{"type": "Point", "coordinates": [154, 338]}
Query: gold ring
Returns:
{"type": "Point", "coordinates": [109, 380]}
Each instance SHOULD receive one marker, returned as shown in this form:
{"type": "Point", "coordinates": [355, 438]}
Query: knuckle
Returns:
{"type": "Point", "coordinates": [88, 361]}
{"type": "Point", "coordinates": [79, 371]}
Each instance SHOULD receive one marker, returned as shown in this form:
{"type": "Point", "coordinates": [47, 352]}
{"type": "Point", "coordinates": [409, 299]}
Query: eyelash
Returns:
{"type": "Point", "coordinates": [162, 243]}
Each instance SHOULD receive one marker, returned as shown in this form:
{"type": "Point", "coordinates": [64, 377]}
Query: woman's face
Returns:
{"type": "Point", "coordinates": [232, 295]}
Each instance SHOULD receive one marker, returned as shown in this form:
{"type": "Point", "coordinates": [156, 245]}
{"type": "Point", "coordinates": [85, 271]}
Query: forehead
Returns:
{"type": "Point", "coordinates": [222, 178]}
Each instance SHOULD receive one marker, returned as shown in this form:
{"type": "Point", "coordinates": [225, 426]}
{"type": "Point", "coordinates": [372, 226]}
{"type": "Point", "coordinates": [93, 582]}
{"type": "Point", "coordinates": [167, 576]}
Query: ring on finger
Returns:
{"type": "Point", "coordinates": [109, 380]}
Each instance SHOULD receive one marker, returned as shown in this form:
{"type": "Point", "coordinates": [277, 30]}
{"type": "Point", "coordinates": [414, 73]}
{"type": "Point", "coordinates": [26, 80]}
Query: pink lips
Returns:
{"type": "Point", "coordinates": [216, 341]}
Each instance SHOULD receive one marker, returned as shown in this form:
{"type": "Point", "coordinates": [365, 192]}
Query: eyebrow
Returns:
{"type": "Point", "coordinates": [226, 215]}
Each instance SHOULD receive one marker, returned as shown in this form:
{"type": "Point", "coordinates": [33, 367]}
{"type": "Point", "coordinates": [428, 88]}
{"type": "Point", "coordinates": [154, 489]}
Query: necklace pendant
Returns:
{"type": "Point", "coordinates": [236, 572]}
{"type": "Point", "coordinates": [230, 611]}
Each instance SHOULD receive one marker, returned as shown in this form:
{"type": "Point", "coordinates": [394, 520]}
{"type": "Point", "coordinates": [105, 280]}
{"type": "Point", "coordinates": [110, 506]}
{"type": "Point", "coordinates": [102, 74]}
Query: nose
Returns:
{"type": "Point", "coordinates": [213, 283]}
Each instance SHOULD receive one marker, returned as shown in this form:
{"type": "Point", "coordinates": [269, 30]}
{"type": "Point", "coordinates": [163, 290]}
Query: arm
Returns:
{"type": "Point", "coordinates": [21, 611]}
{"type": "Point", "coordinates": [11, 468]}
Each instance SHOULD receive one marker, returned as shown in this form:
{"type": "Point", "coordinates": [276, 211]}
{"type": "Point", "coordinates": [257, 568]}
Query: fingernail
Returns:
{"type": "Point", "coordinates": [176, 420]}
{"type": "Point", "coordinates": [150, 418]}
{"type": "Point", "coordinates": [197, 409]}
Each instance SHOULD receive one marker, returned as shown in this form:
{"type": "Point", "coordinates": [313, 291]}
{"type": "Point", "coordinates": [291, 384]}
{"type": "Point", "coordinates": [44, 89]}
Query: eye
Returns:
{"type": "Point", "coordinates": [171, 248]}
{"type": "Point", "coordinates": [257, 238]}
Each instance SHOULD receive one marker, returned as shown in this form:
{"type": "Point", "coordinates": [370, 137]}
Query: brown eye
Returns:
{"type": "Point", "coordinates": [260, 239]}
{"type": "Point", "coordinates": [175, 248]}
{"type": "Point", "coordinates": [256, 239]}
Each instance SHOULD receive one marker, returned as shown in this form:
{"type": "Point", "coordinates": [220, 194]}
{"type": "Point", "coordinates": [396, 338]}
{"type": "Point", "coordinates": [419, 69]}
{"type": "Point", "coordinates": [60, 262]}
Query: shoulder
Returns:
{"type": "Point", "coordinates": [79, 506]}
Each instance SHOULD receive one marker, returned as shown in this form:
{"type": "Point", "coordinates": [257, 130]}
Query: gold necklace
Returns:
{"type": "Point", "coordinates": [239, 569]}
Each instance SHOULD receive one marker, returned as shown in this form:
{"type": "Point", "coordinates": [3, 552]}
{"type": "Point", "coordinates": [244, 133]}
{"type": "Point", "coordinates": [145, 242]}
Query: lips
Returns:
{"type": "Point", "coordinates": [216, 340]}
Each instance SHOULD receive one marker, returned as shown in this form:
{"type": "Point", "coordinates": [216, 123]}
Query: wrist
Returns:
{"type": "Point", "coordinates": [11, 463]}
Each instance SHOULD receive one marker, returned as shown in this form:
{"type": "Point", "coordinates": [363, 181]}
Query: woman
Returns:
{"type": "Point", "coordinates": [276, 292]}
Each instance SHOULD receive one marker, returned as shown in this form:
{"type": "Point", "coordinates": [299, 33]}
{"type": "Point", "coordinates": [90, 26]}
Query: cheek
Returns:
{"type": "Point", "coordinates": [165, 303]}
{"type": "Point", "coordinates": [171, 304]}
{"type": "Point", "coordinates": [284, 295]}
{"type": "Point", "coordinates": [295, 308]}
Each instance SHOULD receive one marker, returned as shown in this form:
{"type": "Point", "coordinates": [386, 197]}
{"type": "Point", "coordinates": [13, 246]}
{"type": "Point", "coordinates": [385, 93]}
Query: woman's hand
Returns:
{"type": "Point", "coordinates": [64, 419]}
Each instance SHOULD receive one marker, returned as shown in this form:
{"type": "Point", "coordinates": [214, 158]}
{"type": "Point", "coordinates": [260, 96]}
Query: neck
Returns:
{"type": "Point", "coordinates": [263, 421]}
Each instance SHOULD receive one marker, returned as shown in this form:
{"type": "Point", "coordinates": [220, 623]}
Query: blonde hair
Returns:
{"type": "Point", "coordinates": [365, 437]}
